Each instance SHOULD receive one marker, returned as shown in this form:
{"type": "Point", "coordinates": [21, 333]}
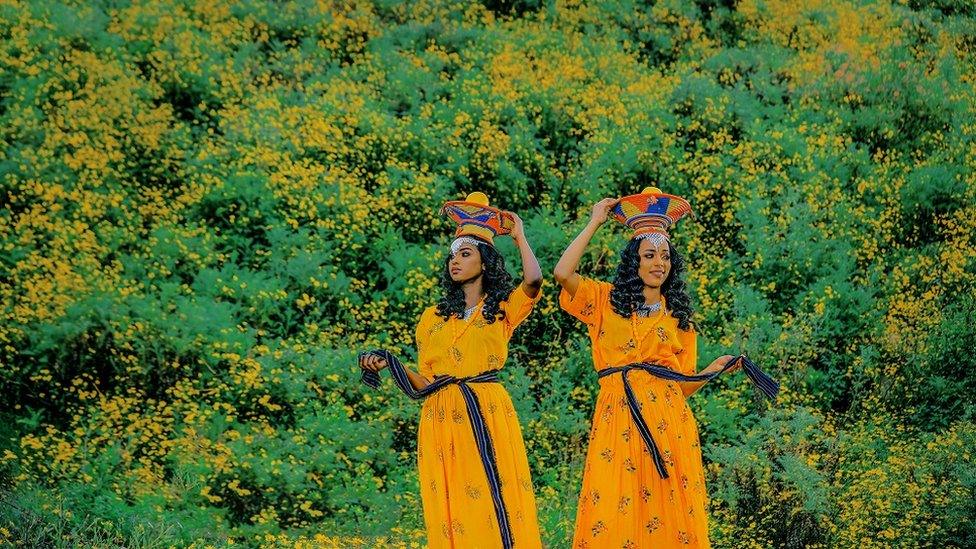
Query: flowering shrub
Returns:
{"type": "Point", "coordinates": [210, 208]}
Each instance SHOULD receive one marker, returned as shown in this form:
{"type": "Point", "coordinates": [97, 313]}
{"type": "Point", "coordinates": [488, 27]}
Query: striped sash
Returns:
{"type": "Point", "coordinates": [486, 449]}
{"type": "Point", "coordinates": [767, 385]}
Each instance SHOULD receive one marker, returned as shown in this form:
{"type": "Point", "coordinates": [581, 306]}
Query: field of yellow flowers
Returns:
{"type": "Point", "coordinates": [208, 208]}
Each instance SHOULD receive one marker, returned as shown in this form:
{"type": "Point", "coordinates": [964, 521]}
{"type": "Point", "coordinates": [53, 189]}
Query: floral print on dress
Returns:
{"type": "Point", "coordinates": [628, 347]}
{"type": "Point", "coordinates": [436, 327]}
{"type": "Point", "coordinates": [658, 508]}
{"type": "Point", "coordinates": [629, 465]}
{"type": "Point", "coordinates": [458, 508]}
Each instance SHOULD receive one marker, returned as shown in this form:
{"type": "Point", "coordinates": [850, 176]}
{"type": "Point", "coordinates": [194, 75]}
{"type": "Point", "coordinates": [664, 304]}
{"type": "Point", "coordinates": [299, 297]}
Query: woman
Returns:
{"type": "Point", "coordinates": [474, 475]}
{"type": "Point", "coordinates": [643, 482]}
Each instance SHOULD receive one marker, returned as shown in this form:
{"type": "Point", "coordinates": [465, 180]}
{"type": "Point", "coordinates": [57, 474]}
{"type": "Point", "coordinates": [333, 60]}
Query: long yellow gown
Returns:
{"type": "Point", "coordinates": [458, 507]}
{"type": "Point", "coordinates": [623, 501]}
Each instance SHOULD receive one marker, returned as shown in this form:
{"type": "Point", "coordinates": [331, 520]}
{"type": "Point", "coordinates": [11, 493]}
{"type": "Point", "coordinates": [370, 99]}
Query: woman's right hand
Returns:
{"type": "Point", "coordinates": [601, 210]}
{"type": "Point", "coordinates": [372, 362]}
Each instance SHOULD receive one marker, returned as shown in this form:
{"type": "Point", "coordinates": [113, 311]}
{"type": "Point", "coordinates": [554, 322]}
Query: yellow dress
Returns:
{"type": "Point", "coordinates": [623, 501]}
{"type": "Point", "coordinates": [458, 506]}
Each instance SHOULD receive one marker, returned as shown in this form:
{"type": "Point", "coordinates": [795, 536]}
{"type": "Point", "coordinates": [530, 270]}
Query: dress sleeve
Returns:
{"type": "Point", "coordinates": [422, 339]}
{"type": "Point", "coordinates": [688, 355]}
{"type": "Point", "coordinates": [586, 305]}
{"type": "Point", "coordinates": [518, 306]}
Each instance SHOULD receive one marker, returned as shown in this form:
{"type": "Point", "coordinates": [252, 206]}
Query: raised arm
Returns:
{"type": "Point", "coordinates": [565, 270]}
{"type": "Point", "coordinates": [531, 271]}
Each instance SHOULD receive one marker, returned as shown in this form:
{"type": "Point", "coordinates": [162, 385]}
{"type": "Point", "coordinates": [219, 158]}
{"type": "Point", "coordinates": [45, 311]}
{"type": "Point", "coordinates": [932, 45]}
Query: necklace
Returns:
{"type": "Point", "coordinates": [648, 310]}
{"type": "Point", "coordinates": [466, 321]}
{"type": "Point", "coordinates": [644, 311]}
{"type": "Point", "coordinates": [470, 310]}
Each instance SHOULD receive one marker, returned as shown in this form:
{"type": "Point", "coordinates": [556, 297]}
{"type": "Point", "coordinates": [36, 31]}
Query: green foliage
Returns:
{"type": "Point", "coordinates": [209, 209]}
{"type": "Point", "coordinates": [943, 381]}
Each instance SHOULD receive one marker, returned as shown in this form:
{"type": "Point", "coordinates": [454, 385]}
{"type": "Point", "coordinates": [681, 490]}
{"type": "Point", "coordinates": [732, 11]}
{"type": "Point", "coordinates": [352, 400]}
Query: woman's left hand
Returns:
{"type": "Point", "coordinates": [720, 362]}
{"type": "Point", "coordinates": [518, 231]}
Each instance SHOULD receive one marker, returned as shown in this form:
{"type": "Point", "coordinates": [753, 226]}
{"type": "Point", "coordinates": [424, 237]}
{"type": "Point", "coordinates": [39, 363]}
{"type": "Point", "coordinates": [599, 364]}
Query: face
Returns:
{"type": "Point", "coordinates": [465, 264]}
{"type": "Point", "coordinates": [655, 263]}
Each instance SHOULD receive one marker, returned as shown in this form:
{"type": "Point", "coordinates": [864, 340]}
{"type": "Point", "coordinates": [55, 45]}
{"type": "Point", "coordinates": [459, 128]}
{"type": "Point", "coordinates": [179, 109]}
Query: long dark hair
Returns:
{"type": "Point", "coordinates": [495, 281]}
{"type": "Point", "coordinates": [628, 288]}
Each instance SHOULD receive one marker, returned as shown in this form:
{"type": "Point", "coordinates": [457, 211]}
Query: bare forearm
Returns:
{"type": "Point", "coordinates": [718, 365]}
{"type": "Point", "coordinates": [375, 362]}
{"type": "Point", "coordinates": [531, 271]}
{"type": "Point", "coordinates": [418, 381]}
{"type": "Point", "coordinates": [690, 387]}
{"type": "Point", "coordinates": [570, 259]}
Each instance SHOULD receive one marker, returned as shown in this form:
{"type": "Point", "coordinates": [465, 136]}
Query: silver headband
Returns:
{"type": "Point", "coordinates": [656, 238]}
{"type": "Point", "coordinates": [462, 240]}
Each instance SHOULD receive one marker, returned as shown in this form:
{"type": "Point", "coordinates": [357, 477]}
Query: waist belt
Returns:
{"type": "Point", "coordinates": [486, 450]}
{"type": "Point", "coordinates": [766, 384]}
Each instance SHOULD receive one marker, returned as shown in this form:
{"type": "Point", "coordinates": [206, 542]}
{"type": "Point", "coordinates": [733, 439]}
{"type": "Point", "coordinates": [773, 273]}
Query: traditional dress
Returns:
{"type": "Point", "coordinates": [624, 502]}
{"type": "Point", "coordinates": [643, 483]}
{"type": "Point", "coordinates": [458, 506]}
{"type": "Point", "coordinates": [474, 476]}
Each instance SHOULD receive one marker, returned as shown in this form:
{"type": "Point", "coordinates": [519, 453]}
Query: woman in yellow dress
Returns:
{"type": "Point", "coordinates": [474, 476]}
{"type": "Point", "coordinates": [643, 481]}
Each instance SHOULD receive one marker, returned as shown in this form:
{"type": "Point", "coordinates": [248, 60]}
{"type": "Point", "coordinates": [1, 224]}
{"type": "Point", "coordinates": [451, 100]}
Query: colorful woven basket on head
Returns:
{"type": "Point", "coordinates": [650, 211]}
{"type": "Point", "coordinates": [476, 218]}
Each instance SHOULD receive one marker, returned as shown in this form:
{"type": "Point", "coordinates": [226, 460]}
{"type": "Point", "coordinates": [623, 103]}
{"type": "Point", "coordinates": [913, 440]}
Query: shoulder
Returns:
{"type": "Point", "coordinates": [429, 323]}
{"type": "Point", "coordinates": [597, 286]}
{"type": "Point", "coordinates": [518, 294]}
{"type": "Point", "coordinates": [429, 315]}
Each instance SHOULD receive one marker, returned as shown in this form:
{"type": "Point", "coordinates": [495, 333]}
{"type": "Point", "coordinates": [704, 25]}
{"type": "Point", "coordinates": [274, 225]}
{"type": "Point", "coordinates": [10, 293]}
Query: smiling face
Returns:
{"type": "Point", "coordinates": [465, 264]}
{"type": "Point", "coordinates": [655, 262]}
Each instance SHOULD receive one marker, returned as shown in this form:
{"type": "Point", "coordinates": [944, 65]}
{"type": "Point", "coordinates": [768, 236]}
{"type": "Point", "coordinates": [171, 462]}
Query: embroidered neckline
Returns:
{"type": "Point", "coordinates": [656, 319]}
{"type": "Point", "coordinates": [467, 322]}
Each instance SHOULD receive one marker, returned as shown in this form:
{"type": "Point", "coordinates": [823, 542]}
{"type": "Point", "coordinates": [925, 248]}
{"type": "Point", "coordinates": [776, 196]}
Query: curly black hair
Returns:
{"type": "Point", "coordinates": [496, 283]}
{"type": "Point", "coordinates": [628, 288]}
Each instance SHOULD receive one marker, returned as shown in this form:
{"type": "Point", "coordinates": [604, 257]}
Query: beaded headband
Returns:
{"type": "Point", "coordinates": [461, 241]}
